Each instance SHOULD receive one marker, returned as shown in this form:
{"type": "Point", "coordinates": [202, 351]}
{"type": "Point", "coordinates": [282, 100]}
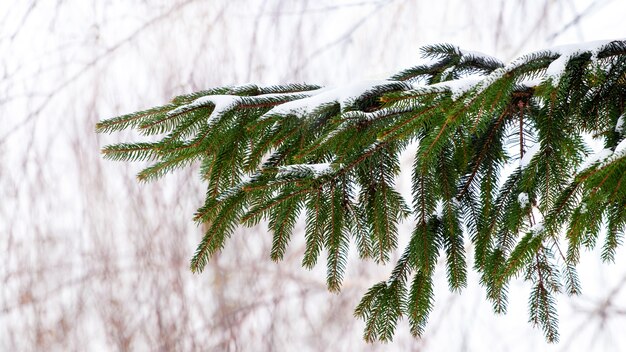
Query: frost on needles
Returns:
{"type": "Point", "coordinates": [500, 157]}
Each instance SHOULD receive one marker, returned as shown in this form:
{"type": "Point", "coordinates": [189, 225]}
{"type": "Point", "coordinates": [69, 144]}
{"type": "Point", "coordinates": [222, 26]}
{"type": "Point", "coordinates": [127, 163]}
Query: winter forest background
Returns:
{"type": "Point", "coordinates": [90, 259]}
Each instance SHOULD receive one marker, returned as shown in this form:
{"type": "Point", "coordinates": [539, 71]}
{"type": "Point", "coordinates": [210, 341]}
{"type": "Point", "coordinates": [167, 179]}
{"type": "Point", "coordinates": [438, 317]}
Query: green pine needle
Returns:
{"type": "Point", "coordinates": [283, 152]}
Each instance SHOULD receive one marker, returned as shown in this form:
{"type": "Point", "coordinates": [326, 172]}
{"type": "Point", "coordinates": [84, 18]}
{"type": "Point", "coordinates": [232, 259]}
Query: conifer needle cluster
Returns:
{"type": "Point", "coordinates": [502, 165]}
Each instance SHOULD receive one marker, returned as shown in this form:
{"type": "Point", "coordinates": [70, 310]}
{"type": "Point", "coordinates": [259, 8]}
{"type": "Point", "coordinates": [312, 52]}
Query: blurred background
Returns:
{"type": "Point", "coordinates": [92, 260]}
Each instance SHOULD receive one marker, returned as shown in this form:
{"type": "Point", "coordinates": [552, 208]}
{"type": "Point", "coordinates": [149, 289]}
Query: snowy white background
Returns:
{"type": "Point", "coordinates": [90, 259]}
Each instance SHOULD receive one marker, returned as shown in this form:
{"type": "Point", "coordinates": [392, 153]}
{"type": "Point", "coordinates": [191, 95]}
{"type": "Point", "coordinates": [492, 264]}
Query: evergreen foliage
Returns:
{"type": "Point", "coordinates": [501, 162]}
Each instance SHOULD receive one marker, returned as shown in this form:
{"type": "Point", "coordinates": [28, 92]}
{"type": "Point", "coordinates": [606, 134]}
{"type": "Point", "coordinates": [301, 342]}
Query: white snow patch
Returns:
{"type": "Point", "coordinates": [457, 87]}
{"type": "Point", "coordinates": [566, 52]}
{"type": "Point", "coordinates": [531, 83]}
{"type": "Point", "coordinates": [619, 126]}
{"type": "Point", "coordinates": [602, 155]}
{"type": "Point", "coordinates": [598, 157]}
{"type": "Point", "coordinates": [342, 95]}
{"type": "Point", "coordinates": [371, 147]}
{"type": "Point", "coordinates": [245, 179]}
{"type": "Point", "coordinates": [461, 86]}
{"type": "Point", "coordinates": [492, 77]}
{"type": "Point", "coordinates": [221, 104]}
{"type": "Point", "coordinates": [317, 169]}
{"type": "Point", "coordinates": [522, 198]}
{"type": "Point", "coordinates": [538, 227]}
{"type": "Point", "coordinates": [447, 72]}
{"type": "Point", "coordinates": [528, 156]}
{"type": "Point", "coordinates": [438, 210]}
{"type": "Point", "coordinates": [620, 150]}
{"type": "Point", "coordinates": [374, 115]}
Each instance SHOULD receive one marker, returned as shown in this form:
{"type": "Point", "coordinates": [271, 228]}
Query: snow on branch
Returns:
{"type": "Point", "coordinates": [220, 104]}
{"type": "Point", "coordinates": [604, 156]}
{"type": "Point", "coordinates": [316, 170]}
{"type": "Point", "coordinates": [303, 102]}
{"type": "Point", "coordinates": [342, 95]}
{"type": "Point", "coordinates": [561, 55]}
{"type": "Point", "coordinates": [619, 126]}
{"type": "Point", "coordinates": [457, 87]}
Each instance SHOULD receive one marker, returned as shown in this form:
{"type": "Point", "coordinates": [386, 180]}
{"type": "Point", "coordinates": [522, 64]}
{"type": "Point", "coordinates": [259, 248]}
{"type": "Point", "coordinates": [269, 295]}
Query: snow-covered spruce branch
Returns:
{"type": "Point", "coordinates": [500, 153]}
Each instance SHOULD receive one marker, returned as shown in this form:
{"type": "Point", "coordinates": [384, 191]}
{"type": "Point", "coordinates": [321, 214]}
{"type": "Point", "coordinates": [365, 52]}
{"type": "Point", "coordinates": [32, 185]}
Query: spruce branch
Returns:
{"type": "Point", "coordinates": [331, 156]}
